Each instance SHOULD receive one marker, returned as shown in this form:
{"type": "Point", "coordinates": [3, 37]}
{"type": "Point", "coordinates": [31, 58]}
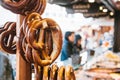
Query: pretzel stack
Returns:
{"type": "Point", "coordinates": [39, 40]}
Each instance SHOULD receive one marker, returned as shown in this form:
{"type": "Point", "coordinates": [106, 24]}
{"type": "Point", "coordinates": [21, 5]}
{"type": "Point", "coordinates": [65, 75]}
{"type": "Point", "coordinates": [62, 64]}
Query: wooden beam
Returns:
{"type": "Point", "coordinates": [116, 46]}
{"type": "Point", "coordinates": [23, 68]}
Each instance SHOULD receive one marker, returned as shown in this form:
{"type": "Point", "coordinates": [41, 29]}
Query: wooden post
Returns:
{"type": "Point", "coordinates": [23, 71]}
{"type": "Point", "coordinates": [116, 46]}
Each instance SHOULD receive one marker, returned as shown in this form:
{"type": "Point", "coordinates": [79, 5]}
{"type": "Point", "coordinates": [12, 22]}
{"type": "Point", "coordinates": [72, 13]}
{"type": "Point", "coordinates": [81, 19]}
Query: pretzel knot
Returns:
{"type": "Point", "coordinates": [7, 38]}
{"type": "Point", "coordinates": [24, 7]}
{"type": "Point", "coordinates": [40, 40]}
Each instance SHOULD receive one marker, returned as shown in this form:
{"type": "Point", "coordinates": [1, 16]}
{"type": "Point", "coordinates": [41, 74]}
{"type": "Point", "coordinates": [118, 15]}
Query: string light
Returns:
{"type": "Point", "coordinates": [105, 10]}
{"type": "Point", "coordinates": [91, 1]}
{"type": "Point", "coordinates": [101, 8]}
{"type": "Point", "coordinates": [111, 13]}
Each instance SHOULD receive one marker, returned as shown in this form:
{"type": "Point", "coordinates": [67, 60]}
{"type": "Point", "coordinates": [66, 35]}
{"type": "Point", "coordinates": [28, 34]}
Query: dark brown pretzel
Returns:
{"type": "Point", "coordinates": [24, 7]}
{"type": "Point", "coordinates": [5, 27]}
{"type": "Point", "coordinates": [8, 46]}
{"type": "Point", "coordinates": [14, 6]}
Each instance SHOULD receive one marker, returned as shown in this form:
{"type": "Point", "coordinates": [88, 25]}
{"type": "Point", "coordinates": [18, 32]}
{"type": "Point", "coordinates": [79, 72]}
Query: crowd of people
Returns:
{"type": "Point", "coordinates": [71, 47]}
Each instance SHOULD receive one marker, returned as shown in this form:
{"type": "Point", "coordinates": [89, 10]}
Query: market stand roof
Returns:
{"type": "Point", "coordinates": [89, 8]}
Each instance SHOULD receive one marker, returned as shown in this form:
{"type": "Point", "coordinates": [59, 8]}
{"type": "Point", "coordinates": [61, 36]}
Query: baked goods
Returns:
{"type": "Point", "coordinates": [55, 73]}
{"type": "Point", "coordinates": [39, 40]}
{"type": "Point", "coordinates": [24, 7]}
{"type": "Point", "coordinates": [7, 37]}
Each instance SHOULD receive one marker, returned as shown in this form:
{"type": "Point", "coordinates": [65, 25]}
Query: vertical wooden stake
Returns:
{"type": "Point", "coordinates": [23, 71]}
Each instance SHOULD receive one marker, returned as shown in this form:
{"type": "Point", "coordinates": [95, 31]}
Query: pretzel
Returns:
{"type": "Point", "coordinates": [8, 46]}
{"type": "Point", "coordinates": [27, 50]}
{"type": "Point", "coordinates": [69, 73]}
{"type": "Point", "coordinates": [38, 72]}
{"type": "Point", "coordinates": [56, 37]}
{"type": "Point", "coordinates": [24, 7]}
{"type": "Point", "coordinates": [46, 72]}
{"type": "Point", "coordinates": [30, 20]}
{"type": "Point", "coordinates": [5, 27]}
{"type": "Point", "coordinates": [54, 73]}
{"type": "Point", "coordinates": [48, 42]}
{"type": "Point", "coordinates": [61, 73]}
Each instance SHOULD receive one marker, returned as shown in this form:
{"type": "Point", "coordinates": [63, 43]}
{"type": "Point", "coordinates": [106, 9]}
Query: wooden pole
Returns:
{"type": "Point", "coordinates": [23, 71]}
{"type": "Point", "coordinates": [116, 46]}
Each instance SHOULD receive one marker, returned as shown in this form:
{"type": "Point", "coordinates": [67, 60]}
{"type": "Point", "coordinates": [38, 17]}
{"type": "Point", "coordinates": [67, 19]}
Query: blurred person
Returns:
{"type": "Point", "coordinates": [76, 59]}
{"type": "Point", "coordinates": [77, 44]}
{"type": "Point", "coordinates": [5, 68]}
{"type": "Point", "coordinates": [67, 49]}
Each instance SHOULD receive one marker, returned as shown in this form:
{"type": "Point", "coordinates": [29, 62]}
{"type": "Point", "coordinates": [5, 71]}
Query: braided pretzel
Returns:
{"type": "Point", "coordinates": [10, 47]}
{"type": "Point", "coordinates": [24, 7]}
{"type": "Point", "coordinates": [54, 73]}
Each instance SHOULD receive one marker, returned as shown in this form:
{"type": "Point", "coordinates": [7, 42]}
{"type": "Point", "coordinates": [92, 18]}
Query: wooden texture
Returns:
{"type": "Point", "coordinates": [116, 46]}
{"type": "Point", "coordinates": [23, 68]}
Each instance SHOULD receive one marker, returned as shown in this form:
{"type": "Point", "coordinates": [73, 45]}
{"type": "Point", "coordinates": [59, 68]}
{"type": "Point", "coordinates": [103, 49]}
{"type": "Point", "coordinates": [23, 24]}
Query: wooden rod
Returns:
{"type": "Point", "coordinates": [23, 71]}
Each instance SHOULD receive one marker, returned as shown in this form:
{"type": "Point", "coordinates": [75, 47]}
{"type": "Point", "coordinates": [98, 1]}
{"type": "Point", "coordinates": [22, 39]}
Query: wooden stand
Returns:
{"type": "Point", "coordinates": [23, 68]}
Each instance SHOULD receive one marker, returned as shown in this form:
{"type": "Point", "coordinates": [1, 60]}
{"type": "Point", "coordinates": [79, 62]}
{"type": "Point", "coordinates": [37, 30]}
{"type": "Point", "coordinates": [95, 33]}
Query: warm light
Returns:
{"type": "Point", "coordinates": [101, 8]}
{"type": "Point", "coordinates": [105, 10]}
{"type": "Point", "coordinates": [116, 0]}
{"type": "Point", "coordinates": [111, 13]}
{"type": "Point", "coordinates": [91, 1]}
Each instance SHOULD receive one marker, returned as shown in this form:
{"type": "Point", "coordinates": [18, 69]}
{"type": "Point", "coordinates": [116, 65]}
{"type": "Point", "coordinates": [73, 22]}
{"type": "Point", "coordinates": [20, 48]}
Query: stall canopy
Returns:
{"type": "Point", "coordinates": [89, 8]}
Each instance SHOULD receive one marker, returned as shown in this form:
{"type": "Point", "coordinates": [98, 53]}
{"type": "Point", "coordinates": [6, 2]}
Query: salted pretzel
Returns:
{"type": "Point", "coordinates": [8, 46]}
{"type": "Point", "coordinates": [24, 7]}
